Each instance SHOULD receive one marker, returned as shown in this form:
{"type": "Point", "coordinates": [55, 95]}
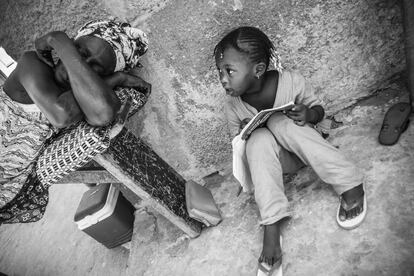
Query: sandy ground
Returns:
{"type": "Point", "coordinates": [357, 45]}
{"type": "Point", "coordinates": [54, 245]}
{"type": "Point", "coordinates": [313, 243]}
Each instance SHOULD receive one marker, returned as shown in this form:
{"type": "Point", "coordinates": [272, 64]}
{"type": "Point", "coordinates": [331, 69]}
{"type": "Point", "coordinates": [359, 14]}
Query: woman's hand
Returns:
{"type": "Point", "coordinates": [43, 45]}
{"type": "Point", "coordinates": [300, 114]}
{"type": "Point", "coordinates": [131, 80]}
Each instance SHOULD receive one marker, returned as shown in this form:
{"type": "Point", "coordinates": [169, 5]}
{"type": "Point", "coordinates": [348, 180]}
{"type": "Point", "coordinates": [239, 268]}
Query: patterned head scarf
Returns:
{"type": "Point", "coordinates": [128, 43]}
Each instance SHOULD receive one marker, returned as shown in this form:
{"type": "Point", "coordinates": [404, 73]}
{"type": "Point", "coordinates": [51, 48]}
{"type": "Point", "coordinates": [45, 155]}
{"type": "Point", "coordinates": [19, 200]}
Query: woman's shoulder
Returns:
{"type": "Point", "coordinates": [29, 66]}
{"type": "Point", "coordinates": [30, 58]}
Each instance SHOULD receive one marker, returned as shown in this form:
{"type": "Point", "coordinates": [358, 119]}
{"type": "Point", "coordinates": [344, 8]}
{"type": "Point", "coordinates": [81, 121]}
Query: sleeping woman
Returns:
{"type": "Point", "coordinates": [45, 93]}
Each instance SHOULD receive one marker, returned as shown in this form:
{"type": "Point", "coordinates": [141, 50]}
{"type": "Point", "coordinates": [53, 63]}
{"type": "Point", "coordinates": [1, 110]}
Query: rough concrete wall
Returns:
{"type": "Point", "coordinates": [134, 11]}
{"type": "Point", "coordinates": [24, 20]}
{"type": "Point", "coordinates": [347, 49]}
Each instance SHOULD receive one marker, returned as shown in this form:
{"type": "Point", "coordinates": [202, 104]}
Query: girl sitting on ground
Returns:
{"type": "Point", "coordinates": [39, 97]}
{"type": "Point", "coordinates": [287, 141]}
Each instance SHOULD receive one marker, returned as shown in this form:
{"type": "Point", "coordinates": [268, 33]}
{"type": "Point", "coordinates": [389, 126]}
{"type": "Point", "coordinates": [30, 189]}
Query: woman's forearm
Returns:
{"type": "Point", "coordinates": [95, 98]}
{"type": "Point", "coordinates": [114, 80]}
{"type": "Point", "coordinates": [67, 102]}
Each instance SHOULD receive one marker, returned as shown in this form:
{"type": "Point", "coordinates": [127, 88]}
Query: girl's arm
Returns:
{"type": "Point", "coordinates": [302, 113]}
{"type": "Point", "coordinates": [308, 108]}
{"type": "Point", "coordinates": [94, 97]}
{"type": "Point", "coordinates": [233, 121]}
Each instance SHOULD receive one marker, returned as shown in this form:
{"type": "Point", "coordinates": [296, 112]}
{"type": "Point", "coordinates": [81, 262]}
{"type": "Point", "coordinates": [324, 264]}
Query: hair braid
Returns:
{"type": "Point", "coordinates": [254, 43]}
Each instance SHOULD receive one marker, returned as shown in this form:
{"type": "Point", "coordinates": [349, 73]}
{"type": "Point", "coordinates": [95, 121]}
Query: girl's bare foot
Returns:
{"type": "Point", "coordinates": [271, 252]}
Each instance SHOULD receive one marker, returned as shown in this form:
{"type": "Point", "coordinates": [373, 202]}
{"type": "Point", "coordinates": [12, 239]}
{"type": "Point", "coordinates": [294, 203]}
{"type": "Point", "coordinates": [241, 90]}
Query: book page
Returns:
{"type": "Point", "coordinates": [261, 118]}
{"type": "Point", "coordinates": [240, 166]}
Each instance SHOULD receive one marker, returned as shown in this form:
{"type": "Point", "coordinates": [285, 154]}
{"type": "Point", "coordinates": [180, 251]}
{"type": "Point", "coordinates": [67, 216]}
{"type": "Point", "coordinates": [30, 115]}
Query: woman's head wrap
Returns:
{"type": "Point", "coordinates": [128, 43]}
{"type": "Point", "coordinates": [276, 60]}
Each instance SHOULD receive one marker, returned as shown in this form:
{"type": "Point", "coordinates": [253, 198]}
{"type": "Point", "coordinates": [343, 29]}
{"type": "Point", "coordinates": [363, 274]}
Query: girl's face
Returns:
{"type": "Point", "coordinates": [96, 52]}
{"type": "Point", "coordinates": [236, 72]}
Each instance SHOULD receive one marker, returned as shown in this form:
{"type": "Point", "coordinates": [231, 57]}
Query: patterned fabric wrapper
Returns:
{"type": "Point", "coordinates": [29, 205]}
{"type": "Point", "coordinates": [128, 43]}
{"type": "Point", "coordinates": [64, 152]}
{"type": "Point", "coordinates": [23, 130]}
{"type": "Point", "coordinates": [76, 145]}
{"type": "Point", "coordinates": [22, 134]}
{"type": "Point", "coordinates": [71, 149]}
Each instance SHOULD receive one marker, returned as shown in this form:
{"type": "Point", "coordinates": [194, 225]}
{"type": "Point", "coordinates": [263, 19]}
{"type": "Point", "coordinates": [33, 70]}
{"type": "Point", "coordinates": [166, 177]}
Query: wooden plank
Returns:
{"type": "Point", "coordinates": [88, 176]}
{"type": "Point", "coordinates": [128, 194]}
{"type": "Point", "coordinates": [142, 171]}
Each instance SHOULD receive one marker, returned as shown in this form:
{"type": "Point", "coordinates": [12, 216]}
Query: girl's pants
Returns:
{"type": "Point", "coordinates": [284, 147]}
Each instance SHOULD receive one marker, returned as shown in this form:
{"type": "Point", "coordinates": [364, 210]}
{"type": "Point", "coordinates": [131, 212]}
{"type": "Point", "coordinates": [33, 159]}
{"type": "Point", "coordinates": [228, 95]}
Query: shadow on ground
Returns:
{"type": "Point", "coordinates": [313, 243]}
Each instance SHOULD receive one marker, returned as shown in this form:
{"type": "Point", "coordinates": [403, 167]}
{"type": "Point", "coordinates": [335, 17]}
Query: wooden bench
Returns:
{"type": "Point", "coordinates": [140, 174]}
{"type": "Point", "coordinates": [135, 169]}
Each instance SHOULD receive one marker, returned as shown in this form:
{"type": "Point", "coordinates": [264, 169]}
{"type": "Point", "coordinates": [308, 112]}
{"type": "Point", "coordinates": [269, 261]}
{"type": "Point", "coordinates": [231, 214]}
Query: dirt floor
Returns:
{"type": "Point", "coordinates": [54, 245]}
{"type": "Point", "coordinates": [348, 48]}
{"type": "Point", "coordinates": [313, 243]}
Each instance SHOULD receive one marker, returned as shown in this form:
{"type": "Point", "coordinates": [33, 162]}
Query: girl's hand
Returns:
{"type": "Point", "coordinates": [300, 113]}
{"type": "Point", "coordinates": [243, 124]}
{"type": "Point", "coordinates": [44, 48]}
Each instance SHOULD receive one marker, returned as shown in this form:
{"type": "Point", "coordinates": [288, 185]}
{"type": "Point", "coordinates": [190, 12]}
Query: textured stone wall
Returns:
{"type": "Point", "coordinates": [134, 11]}
{"type": "Point", "coordinates": [347, 49]}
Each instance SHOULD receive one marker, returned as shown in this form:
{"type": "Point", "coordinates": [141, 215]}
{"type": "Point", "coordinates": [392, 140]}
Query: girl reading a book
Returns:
{"type": "Point", "coordinates": [288, 139]}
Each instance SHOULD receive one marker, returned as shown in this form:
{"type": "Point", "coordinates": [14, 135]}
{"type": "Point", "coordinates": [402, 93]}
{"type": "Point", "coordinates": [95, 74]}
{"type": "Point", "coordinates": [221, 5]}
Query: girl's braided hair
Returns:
{"type": "Point", "coordinates": [253, 42]}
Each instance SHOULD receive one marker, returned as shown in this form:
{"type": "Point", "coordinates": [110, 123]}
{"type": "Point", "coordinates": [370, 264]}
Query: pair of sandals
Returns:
{"type": "Point", "coordinates": [265, 269]}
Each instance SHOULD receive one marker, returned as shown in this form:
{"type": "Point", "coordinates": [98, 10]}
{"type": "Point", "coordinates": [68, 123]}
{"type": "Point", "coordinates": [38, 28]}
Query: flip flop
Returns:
{"type": "Point", "coordinates": [266, 270]}
{"type": "Point", "coordinates": [395, 122]}
{"type": "Point", "coordinates": [352, 223]}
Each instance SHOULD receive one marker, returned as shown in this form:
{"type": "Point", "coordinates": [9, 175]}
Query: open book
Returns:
{"type": "Point", "coordinates": [261, 118]}
{"type": "Point", "coordinates": [240, 166]}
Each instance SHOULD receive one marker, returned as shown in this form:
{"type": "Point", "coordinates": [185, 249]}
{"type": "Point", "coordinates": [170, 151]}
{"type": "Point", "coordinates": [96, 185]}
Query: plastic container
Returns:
{"type": "Point", "coordinates": [105, 215]}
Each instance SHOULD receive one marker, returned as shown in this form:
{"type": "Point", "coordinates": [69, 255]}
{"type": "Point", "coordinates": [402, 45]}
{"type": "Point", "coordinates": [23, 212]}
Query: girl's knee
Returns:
{"type": "Point", "coordinates": [259, 139]}
{"type": "Point", "coordinates": [280, 124]}
{"type": "Point", "coordinates": [260, 135]}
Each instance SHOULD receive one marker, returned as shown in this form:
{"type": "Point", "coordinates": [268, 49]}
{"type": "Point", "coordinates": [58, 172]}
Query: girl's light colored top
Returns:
{"type": "Point", "coordinates": [23, 130]}
{"type": "Point", "coordinates": [292, 86]}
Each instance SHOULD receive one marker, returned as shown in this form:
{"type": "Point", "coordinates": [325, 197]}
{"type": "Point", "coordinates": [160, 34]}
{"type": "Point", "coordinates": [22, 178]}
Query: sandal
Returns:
{"type": "Point", "coordinates": [354, 222]}
{"type": "Point", "coordinates": [395, 122]}
{"type": "Point", "coordinates": [265, 269]}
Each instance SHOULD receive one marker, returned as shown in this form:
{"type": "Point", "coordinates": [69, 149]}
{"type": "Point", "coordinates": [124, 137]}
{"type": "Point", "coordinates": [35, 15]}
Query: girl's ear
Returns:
{"type": "Point", "coordinates": [259, 69]}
